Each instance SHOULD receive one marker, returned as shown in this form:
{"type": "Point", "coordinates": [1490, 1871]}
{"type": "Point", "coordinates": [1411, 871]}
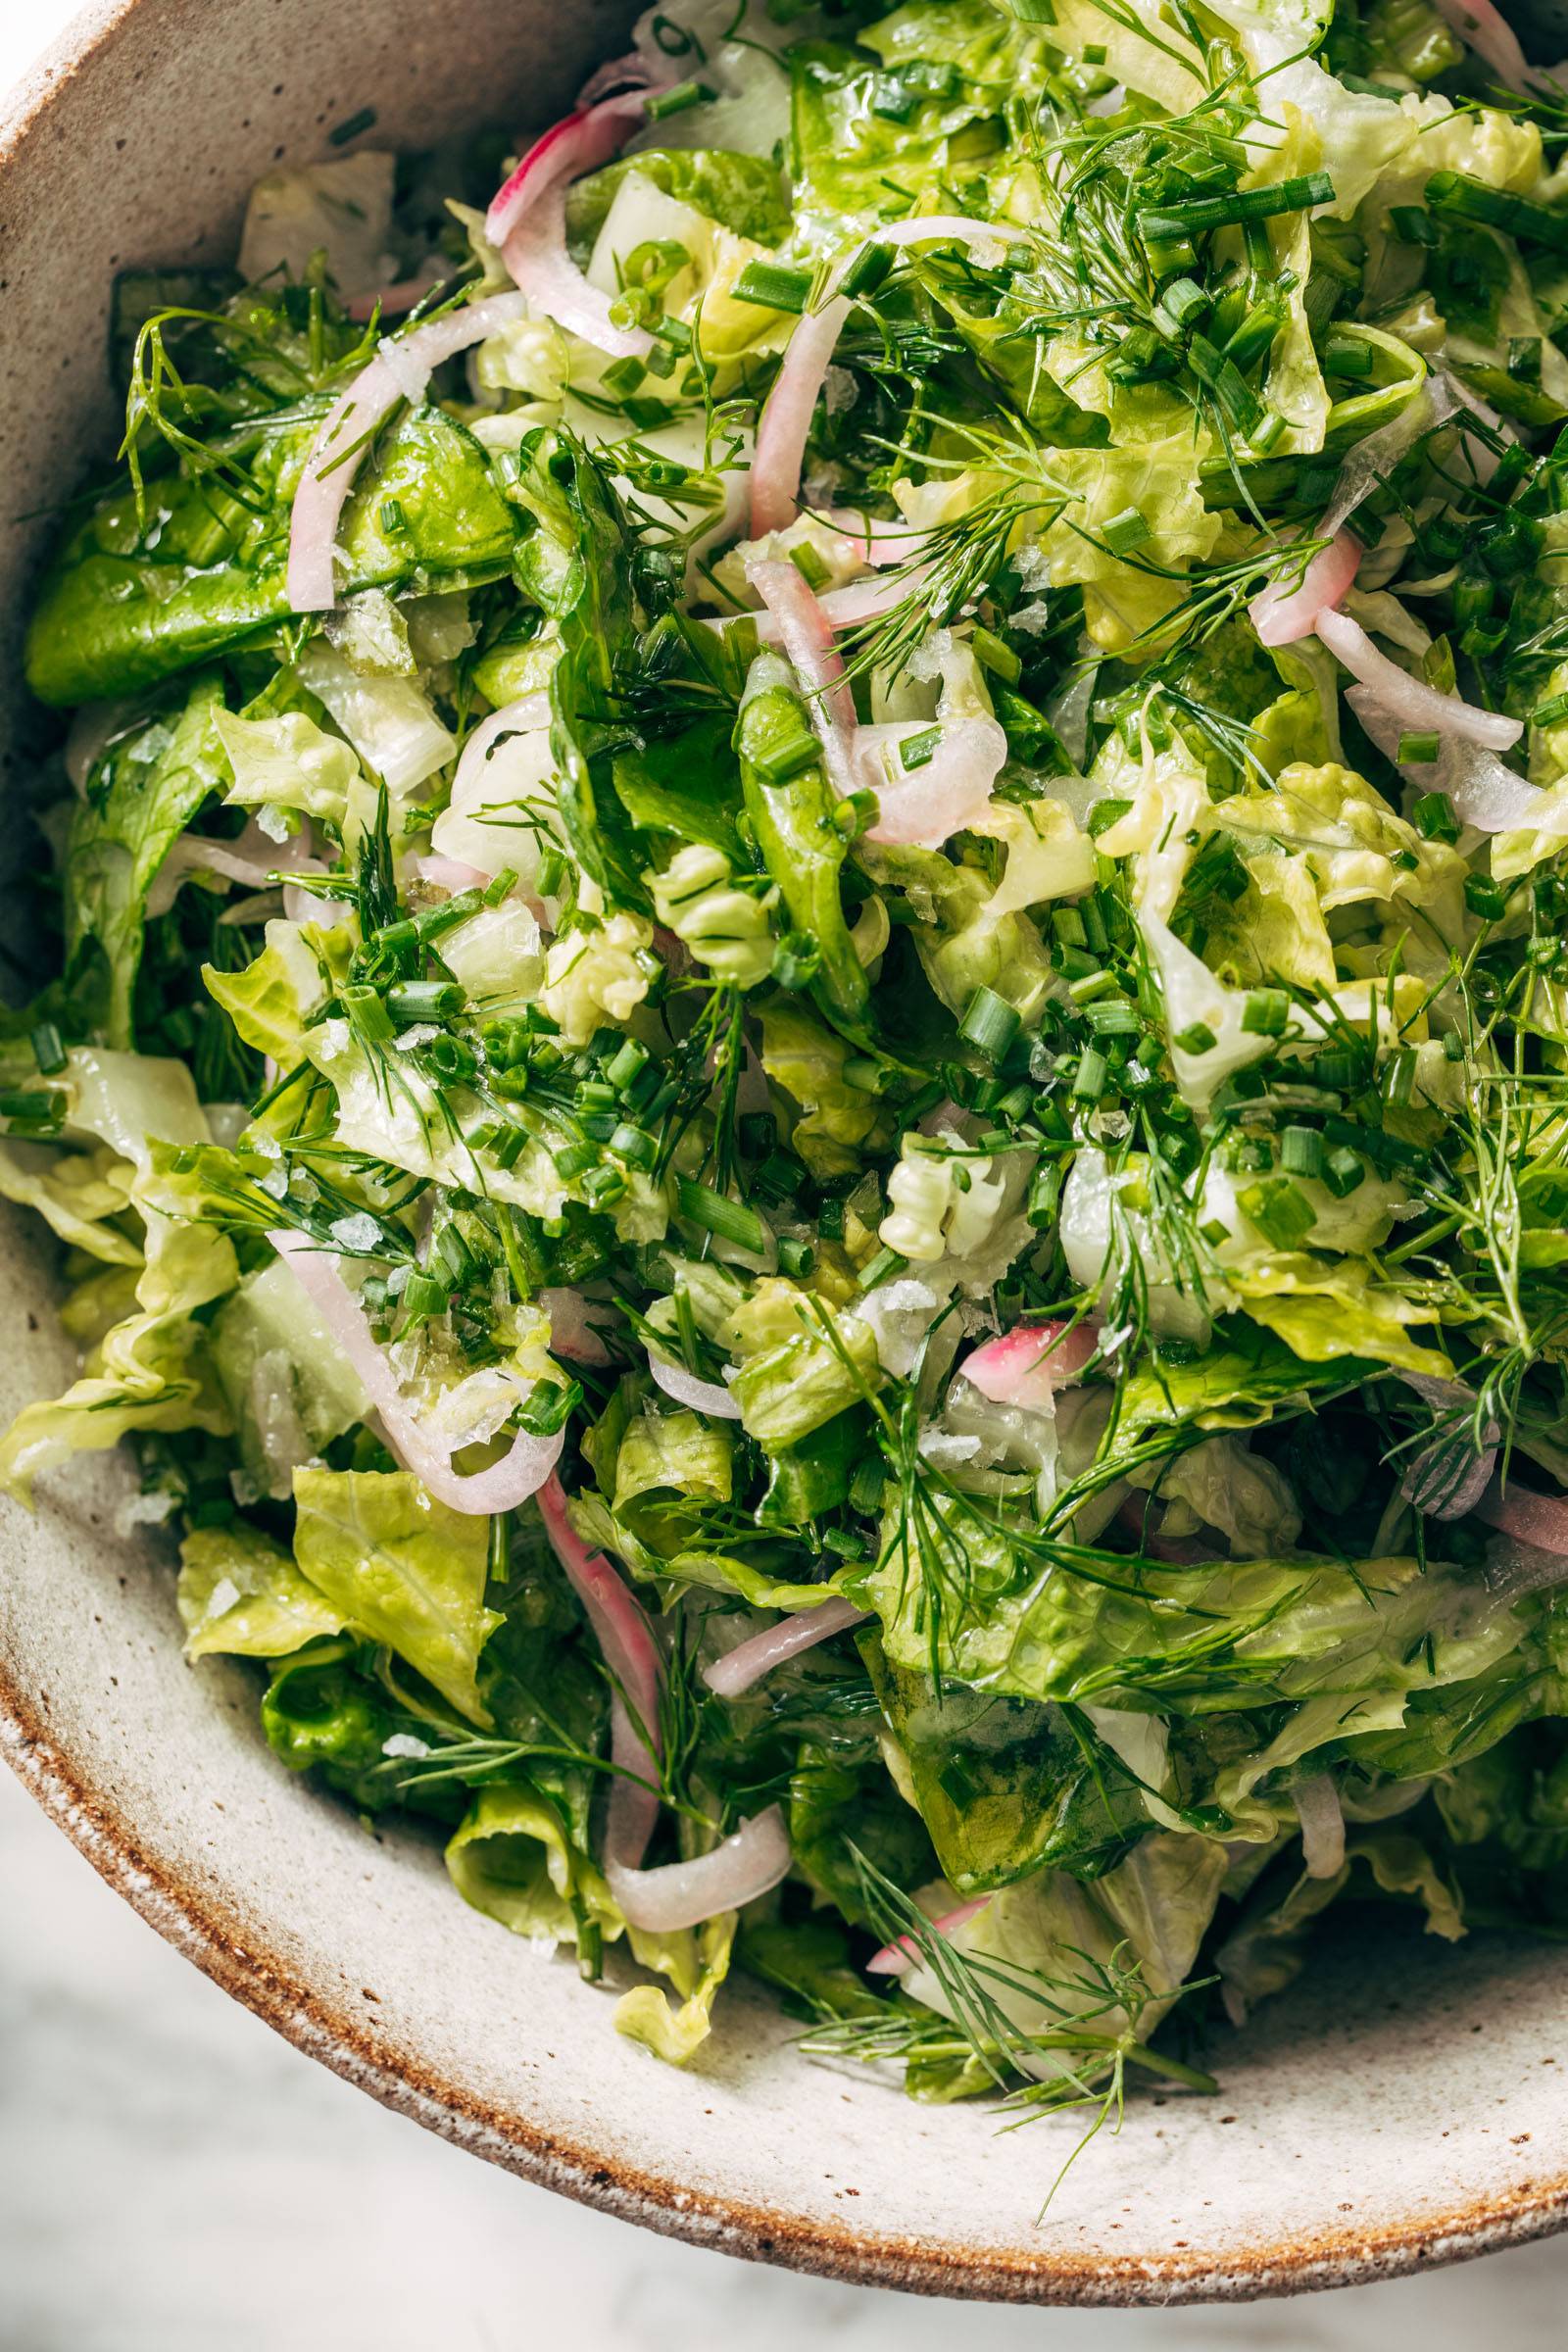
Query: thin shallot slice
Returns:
{"type": "Point", "coordinates": [922, 806]}
{"type": "Point", "coordinates": [521, 1472]}
{"type": "Point", "coordinates": [251, 860]}
{"type": "Point", "coordinates": [1282, 617]}
{"type": "Point", "coordinates": [1541, 1520]}
{"type": "Point", "coordinates": [1484, 29]}
{"type": "Point", "coordinates": [740, 1668]}
{"type": "Point", "coordinates": [527, 220]}
{"type": "Point", "coordinates": [636, 1670]}
{"type": "Point", "coordinates": [1418, 706]}
{"type": "Point", "coordinates": [401, 371]}
{"type": "Point", "coordinates": [785, 424]}
{"type": "Point", "coordinates": [808, 643]}
{"type": "Point", "coordinates": [1028, 1365]}
{"type": "Point", "coordinates": [682, 1894]}
{"type": "Point", "coordinates": [1317, 1804]}
{"type": "Point", "coordinates": [896, 1958]}
{"type": "Point", "coordinates": [702, 1395]}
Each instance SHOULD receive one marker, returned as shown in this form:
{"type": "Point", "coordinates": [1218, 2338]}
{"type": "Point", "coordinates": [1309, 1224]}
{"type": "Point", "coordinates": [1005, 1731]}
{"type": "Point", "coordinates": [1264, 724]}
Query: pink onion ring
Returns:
{"type": "Point", "coordinates": [702, 1395]}
{"type": "Point", "coordinates": [527, 219]}
{"type": "Point", "coordinates": [1282, 615]}
{"type": "Point", "coordinates": [519, 1472]}
{"type": "Point", "coordinates": [807, 642]}
{"type": "Point", "coordinates": [252, 859]}
{"type": "Point", "coordinates": [394, 301]}
{"type": "Point", "coordinates": [1540, 1520]}
{"type": "Point", "coordinates": [571, 1334]}
{"type": "Point", "coordinates": [1482, 28]}
{"type": "Point", "coordinates": [785, 425]}
{"type": "Point", "coordinates": [1418, 706]}
{"type": "Point", "coordinates": [400, 370]}
{"type": "Point", "coordinates": [749, 1660]}
{"type": "Point", "coordinates": [1485, 792]}
{"type": "Point", "coordinates": [630, 1652]}
{"type": "Point", "coordinates": [1029, 1364]}
{"type": "Point", "coordinates": [450, 874]}
{"type": "Point", "coordinates": [921, 807]}
{"type": "Point", "coordinates": [682, 1894]}
{"type": "Point", "coordinates": [896, 1958]}
{"type": "Point", "coordinates": [1317, 1804]}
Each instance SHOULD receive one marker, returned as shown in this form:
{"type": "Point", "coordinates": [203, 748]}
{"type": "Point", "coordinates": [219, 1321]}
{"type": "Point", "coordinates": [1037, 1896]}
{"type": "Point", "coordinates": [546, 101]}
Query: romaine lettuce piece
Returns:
{"type": "Point", "coordinates": [241, 1595]}
{"type": "Point", "coordinates": [404, 1569]}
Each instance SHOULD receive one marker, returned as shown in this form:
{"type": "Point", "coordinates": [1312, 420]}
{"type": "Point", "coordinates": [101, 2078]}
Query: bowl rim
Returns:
{"type": "Point", "coordinates": [282, 1998]}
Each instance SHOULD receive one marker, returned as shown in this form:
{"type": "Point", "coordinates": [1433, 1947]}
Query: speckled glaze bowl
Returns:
{"type": "Point", "coordinates": [1408, 2106]}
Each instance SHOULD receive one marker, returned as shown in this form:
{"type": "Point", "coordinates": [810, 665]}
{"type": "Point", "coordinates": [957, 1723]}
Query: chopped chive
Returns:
{"type": "Point", "coordinates": [1280, 1210]}
{"type": "Point", "coordinates": [1347, 355]}
{"type": "Point", "coordinates": [991, 653]}
{"type": "Point", "coordinates": [368, 1013]}
{"type": "Point", "coordinates": [341, 132]}
{"type": "Point", "coordinates": [1413, 227]}
{"type": "Point", "coordinates": [1265, 1013]}
{"type": "Point", "coordinates": [48, 1049]}
{"type": "Point", "coordinates": [1484, 897]}
{"type": "Point", "coordinates": [1551, 713]}
{"type": "Point", "coordinates": [501, 887]}
{"type": "Point", "coordinates": [727, 1221]}
{"type": "Point", "coordinates": [408, 1001]}
{"type": "Point", "coordinates": [1434, 819]}
{"type": "Point", "coordinates": [1093, 1073]}
{"type": "Point", "coordinates": [881, 1268]}
{"type": "Point", "coordinates": [634, 1145]}
{"type": "Point", "coordinates": [868, 270]}
{"type": "Point", "coordinates": [392, 518]}
{"type": "Point", "coordinates": [1461, 197]}
{"type": "Point", "coordinates": [1418, 751]}
{"type": "Point", "coordinates": [1185, 300]}
{"type": "Point", "coordinates": [603, 1187]}
{"type": "Point", "coordinates": [30, 1108]}
{"type": "Point", "coordinates": [572, 1158]}
{"type": "Point", "coordinates": [918, 751]}
{"type": "Point", "coordinates": [773, 286]}
{"type": "Point", "coordinates": [660, 105]}
{"type": "Point", "coordinates": [1118, 1018]}
{"type": "Point", "coordinates": [1196, 1038]}
{"type": "Point", "coordinates": [810, 565]}
{"type": "Point", "coordinates": [1343, 1171]}
{"type": "Point", "coordinates": [1195, 214]}
{"type": "Point", "coordinates": [796, 1259]}
{"type": "Point", "coordinates": [1302, 1151]}
{"type": "Point", "coordinates": [856, 814]}
{"type": "Point", "coordinates": [423, 1297]}
{"type": "Point", "coordinates": [1035, 11]}
{"type": "Point", "coordinates": [1126, 531]}
{"type": "Point", "coordinates": [990, 1023]}
{"type": "Point", "coordinates": [624, 378]}
{"type": "Point", "coordinates": [1266, 435]}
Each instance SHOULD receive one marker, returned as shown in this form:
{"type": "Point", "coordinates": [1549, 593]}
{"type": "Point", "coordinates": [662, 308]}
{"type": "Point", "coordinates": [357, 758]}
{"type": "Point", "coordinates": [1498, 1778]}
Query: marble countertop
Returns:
{"type": "Point", "coordinates": [175, 2178]}
{"type": "Point", "coordinates": [172, 2178]}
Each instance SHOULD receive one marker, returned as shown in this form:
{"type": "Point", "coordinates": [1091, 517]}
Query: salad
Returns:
{"type": "Point", "coordinates": [808, 1088]}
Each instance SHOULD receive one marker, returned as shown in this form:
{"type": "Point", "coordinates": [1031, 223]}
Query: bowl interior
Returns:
{"type": "Point", "coordinates": [1407, 2103]}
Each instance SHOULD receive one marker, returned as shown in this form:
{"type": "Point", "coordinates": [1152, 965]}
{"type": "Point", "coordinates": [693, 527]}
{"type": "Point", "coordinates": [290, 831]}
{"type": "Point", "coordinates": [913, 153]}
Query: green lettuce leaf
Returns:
{"type": "Point", "coordinates": [138, 801]}
{"type": "Point", "coordinates": [241, 1595]}
{"type": "Point", "coordinates": [404, 1569]}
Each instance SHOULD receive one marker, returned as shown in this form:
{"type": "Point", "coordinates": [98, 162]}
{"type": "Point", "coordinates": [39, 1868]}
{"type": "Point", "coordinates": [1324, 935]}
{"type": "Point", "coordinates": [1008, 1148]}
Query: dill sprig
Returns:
{"type": "Point", "coordinates": [1077, 2059]}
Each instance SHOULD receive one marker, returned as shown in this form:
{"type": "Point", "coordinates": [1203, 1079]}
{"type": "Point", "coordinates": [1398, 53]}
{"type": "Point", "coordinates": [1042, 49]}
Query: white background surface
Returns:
{"type": "Point", "coordinates": [175, 2178]}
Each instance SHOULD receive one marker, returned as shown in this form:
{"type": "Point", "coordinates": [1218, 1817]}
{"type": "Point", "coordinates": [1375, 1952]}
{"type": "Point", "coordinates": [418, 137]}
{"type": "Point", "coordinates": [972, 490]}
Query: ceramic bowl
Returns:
{"type": "Point", "coordinates": [1407, 2106]}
